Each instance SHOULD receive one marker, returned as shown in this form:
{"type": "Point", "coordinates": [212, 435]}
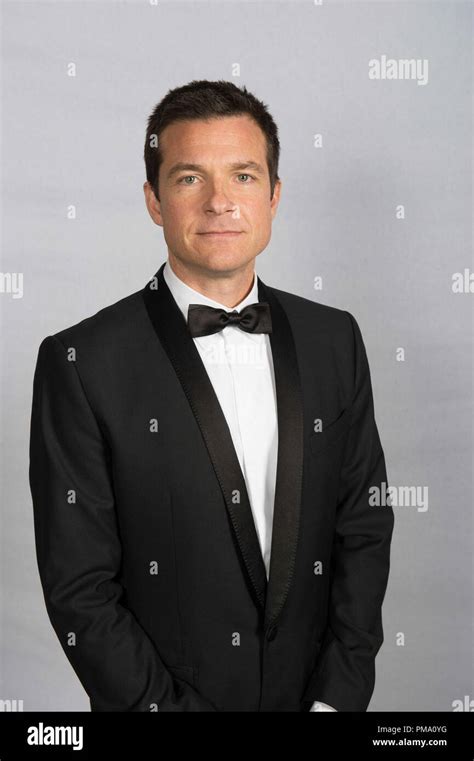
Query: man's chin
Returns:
{"type": "Point", "coordinates": [222, 263]}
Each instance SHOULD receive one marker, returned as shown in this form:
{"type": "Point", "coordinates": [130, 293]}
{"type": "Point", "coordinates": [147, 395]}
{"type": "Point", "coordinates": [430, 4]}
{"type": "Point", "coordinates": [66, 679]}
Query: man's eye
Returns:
{"type": "Point", "coordinates": [193, 177]}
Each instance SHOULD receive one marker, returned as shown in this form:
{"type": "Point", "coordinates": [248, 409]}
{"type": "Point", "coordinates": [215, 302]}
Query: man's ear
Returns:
{"type": "Point", "coordinates": [276, 198]}
{"type": "Point", "coordinates": [153, 204]}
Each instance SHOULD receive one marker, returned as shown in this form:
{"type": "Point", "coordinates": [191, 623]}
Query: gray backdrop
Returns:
{"type": "Point", "coordinates": [386, 144]}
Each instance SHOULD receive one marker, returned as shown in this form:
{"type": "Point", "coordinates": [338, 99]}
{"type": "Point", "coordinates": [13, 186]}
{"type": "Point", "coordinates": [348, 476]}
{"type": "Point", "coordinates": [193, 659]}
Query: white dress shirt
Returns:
{"type": "Point", "coordinates": [240, 368]}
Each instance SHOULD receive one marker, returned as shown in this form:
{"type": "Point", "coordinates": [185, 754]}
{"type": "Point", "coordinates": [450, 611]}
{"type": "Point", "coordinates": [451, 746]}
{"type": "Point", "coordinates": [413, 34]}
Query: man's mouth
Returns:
{"type": "Point", "coordinates": [223, 233]}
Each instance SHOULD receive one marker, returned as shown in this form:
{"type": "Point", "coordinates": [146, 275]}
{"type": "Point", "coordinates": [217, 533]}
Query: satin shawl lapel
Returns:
{"type": "Point", "coordinates": [289, 476]}
{"type": "Point", "coordinates": [178, 344]}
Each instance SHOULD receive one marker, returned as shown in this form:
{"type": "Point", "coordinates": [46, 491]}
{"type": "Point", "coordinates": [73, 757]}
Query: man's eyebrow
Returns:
{"type": "Point", "coordinates": [248, 165]}
{"type": "Point", "coordinates": [183, 167]}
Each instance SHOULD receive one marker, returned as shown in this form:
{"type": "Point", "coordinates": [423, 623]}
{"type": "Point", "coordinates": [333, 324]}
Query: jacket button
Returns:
{"type": "Point", "coordinates": [271, 633]}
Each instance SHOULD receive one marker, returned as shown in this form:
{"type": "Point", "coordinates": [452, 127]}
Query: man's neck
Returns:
{"type": "Point", "coordinates": [228, 289]}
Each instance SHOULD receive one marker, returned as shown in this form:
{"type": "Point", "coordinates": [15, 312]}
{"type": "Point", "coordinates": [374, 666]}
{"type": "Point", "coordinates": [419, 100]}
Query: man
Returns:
{"type": "Point", "coordinates": [202, 453]}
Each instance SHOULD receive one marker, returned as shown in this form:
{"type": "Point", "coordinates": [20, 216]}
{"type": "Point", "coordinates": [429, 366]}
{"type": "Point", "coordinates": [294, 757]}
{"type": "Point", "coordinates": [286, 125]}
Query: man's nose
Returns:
{"type": "Point", "coordinates": [219, 199]}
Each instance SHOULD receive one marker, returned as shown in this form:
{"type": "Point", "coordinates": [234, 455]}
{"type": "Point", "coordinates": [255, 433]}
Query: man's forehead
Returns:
{"type": "Point", "coordinates": [232, 143]}
{"type": "Point", "coordinates": [228, 132]}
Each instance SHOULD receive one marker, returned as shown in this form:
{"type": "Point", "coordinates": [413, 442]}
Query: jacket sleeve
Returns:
{"type": "Point", "coordinates": [344, 675]}
{"type": "Point", "coordinates": [79, 551]}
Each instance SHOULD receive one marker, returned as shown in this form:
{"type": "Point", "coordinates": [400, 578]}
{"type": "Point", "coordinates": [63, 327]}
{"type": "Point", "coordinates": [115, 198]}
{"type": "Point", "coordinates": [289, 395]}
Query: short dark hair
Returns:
{"type": "Point", "coordinates": [202, 99]}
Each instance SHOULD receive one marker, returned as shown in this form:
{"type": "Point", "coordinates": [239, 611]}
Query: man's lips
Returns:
{"type": "Point", "coordinates": [222, 232]}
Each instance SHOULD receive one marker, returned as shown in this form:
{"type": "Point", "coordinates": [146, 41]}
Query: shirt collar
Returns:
{"type": "Point", "coordinates": [184, 295]}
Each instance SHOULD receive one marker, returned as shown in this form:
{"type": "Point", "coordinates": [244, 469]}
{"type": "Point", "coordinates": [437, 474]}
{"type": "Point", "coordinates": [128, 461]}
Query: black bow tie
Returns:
{"type": "Point", "coordinates": [204, 320]}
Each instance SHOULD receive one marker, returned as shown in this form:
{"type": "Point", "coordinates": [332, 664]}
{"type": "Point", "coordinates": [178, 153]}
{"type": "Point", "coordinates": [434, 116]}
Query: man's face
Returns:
{"type": "Point", "coordinates": [214, 178]}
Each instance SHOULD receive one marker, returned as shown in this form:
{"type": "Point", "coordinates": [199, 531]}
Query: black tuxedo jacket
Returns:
{"type": "Point", "coordinates": [147, 551]}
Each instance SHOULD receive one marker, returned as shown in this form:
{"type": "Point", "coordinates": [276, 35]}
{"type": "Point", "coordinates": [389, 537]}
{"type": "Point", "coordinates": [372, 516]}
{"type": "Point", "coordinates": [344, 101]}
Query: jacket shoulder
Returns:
{"type": "Point", "coordinates": [111, 325]}
{"type": "Point", "coordinates": [320, 318]}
